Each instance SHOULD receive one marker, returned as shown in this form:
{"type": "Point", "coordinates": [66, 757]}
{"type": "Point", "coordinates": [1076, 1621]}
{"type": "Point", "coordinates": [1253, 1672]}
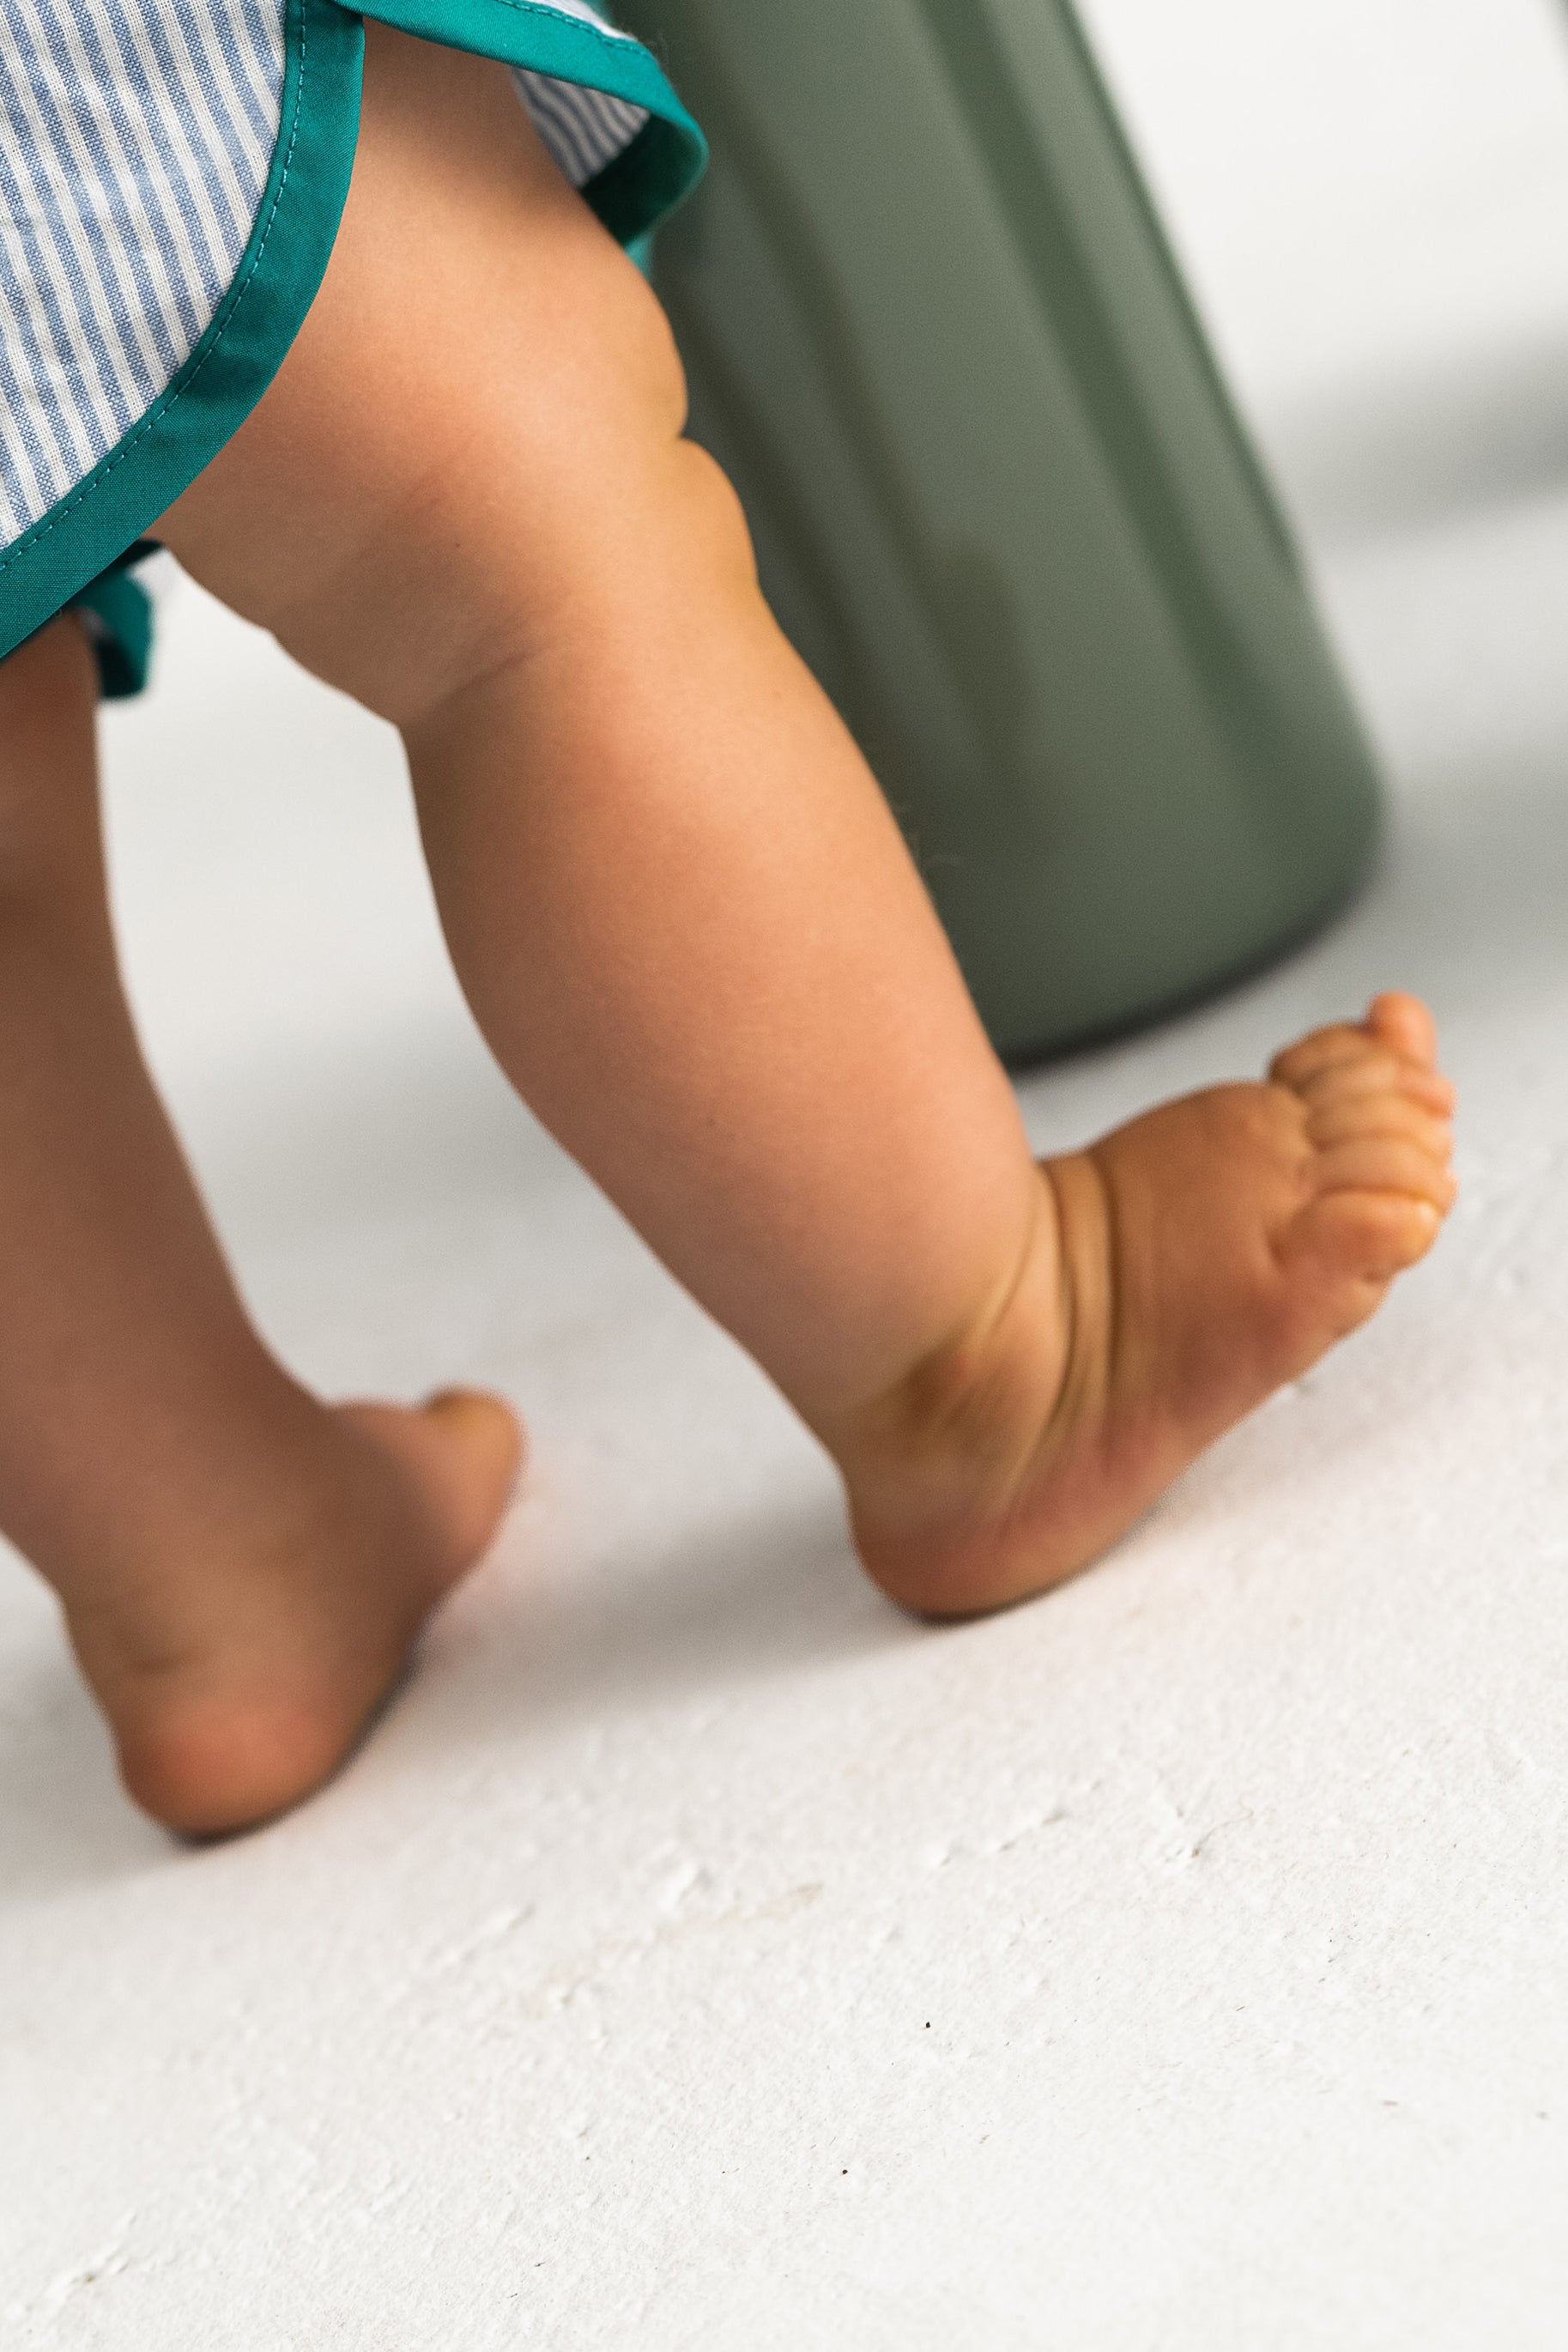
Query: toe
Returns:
{"type": "Point", "coordinates": [1374, 1072]}
{"type": "Point", "coordinates": [1397, 1029]}
{"type": "Point", "coordinates": [1313, 1056]}
{"type": "Point", "coordinates": [1386, 1163]}
{"type": "Point", "coordinates": [1403, 1022]}
{"type": "Point", "coordinates": [1358, 1116]}
{"type": "Point", "coordinates": [482, 1422]}
{"type": "Point", "coordinates": [487, 1444]}
{"type": "Point", "coordinates": [464, 1449]}
{"type": "Point", "coordinates": [1365, 1238]}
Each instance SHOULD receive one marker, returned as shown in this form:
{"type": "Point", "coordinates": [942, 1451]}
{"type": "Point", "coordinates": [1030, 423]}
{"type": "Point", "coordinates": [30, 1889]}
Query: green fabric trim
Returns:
{"type": "Point", "coordinates": [662, 165]}
{"type": "Point", "coordinates": [118, 614]}
{"type": "Point", "coordinates": [241, 351]}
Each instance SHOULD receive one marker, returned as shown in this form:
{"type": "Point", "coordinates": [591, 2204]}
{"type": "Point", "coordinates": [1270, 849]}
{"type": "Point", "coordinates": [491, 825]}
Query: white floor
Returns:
{"type": "Point", "coordinates": [700, 1955]}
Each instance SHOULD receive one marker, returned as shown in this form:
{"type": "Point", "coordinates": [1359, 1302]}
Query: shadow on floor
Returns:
{"type": "Point", "coordinates": [1473, 906]}
{"type": "Point", "coordinates": [1412, 449]}
{"type": "Point", "coordinates": [64, 1822]}
{"type": "Point", "coordinates": [760, 1596]}
{"type": "Point", "coordinates": [711, 1615]}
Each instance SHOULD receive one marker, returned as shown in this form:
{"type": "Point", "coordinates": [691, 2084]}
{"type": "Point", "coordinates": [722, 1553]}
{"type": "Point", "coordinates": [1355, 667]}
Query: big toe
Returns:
{"type": "Point", "coordinates": [1351, 1242]}
{"type": "Point", "coordinates": [464, 1449]}
{"type": "Point", "coordinates": [1403, 1023]}
{"type": "Point", "coordinates": [1390, 1053]}
{"type": "Point", "coordinates": [482, 1439]}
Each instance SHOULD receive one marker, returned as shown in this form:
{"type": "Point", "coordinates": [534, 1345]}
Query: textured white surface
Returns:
{"type": "Point", "coordinates": [700, 1955]}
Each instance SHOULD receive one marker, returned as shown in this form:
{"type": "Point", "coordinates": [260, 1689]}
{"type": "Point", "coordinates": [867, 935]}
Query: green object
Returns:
{"type": "Point", "coordinates": [117, 613]}
{"type": "Point", "coordinates": [1002, 502]}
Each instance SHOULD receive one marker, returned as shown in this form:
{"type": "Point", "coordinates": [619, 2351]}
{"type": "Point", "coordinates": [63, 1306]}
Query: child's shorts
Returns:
{"type": "Point", "coordinates": [171, 175]}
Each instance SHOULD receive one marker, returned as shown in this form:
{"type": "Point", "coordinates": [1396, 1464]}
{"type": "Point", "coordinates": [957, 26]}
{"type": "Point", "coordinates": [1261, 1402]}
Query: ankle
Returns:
{"type": "Point", "coordinates": [933, 1466]}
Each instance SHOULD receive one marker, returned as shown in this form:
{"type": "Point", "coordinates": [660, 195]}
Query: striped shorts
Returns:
{"type": "Point", "coordinates": [171, 177]}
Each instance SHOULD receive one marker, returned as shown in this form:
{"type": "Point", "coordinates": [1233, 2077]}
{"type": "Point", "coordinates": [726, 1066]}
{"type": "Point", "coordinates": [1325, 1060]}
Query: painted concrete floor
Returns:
{"type": "Point", "coordinates": [700, 1955]}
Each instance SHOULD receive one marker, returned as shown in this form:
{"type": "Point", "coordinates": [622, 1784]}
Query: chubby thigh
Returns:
{"type": "Point", "coordinates": [472, 424]}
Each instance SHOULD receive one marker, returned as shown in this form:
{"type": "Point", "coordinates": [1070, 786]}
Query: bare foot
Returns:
{"type": "Point", "coordinates": [235, 1691]}
{"type": "Point", "coordinates": [1180, 1270]}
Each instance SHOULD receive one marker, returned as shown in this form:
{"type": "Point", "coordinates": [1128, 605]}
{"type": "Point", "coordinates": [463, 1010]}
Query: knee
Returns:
{"type": "Point", "coordinates": [711, 516]}
{"type": "Point", "coordinates": [663, 543]}
{"type": "Point", "coordinates": [424, 544]}
{"type": "Point", "coordinates": [651, 538]}
{"type": "Point", "coordinates": [612, 493]}
{"type": "Point", "coordinates": [598, 499]}
{"type": "Point", "coordinates": [634, 353]}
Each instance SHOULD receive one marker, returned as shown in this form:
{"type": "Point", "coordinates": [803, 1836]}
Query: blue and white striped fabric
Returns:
{"type": "Point", "coordinates": [136, 140]}
{"type": "Point", "coordinates": [583, 128]}
{"type": "Point", "coordinates": [135, 143]}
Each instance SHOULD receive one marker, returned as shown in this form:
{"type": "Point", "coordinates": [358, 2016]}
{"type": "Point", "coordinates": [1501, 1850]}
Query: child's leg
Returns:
{"type": "Point", "coordinates": [241, 1570]}
{"type": "Point", "coordinates": [688, 926]}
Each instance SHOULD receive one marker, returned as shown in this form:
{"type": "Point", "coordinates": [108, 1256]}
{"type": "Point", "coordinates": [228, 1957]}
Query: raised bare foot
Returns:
{"type": "Point", "coordinates": [1180, 1270]}
{"type": "Point", "coordinates": [235, 1686]}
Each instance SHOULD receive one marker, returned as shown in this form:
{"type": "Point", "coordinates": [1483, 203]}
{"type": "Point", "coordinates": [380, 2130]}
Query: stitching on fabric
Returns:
{"type": "Point", "coordinates": [621, 42]}
{"type": "Point", "coordinates": [230, 307]}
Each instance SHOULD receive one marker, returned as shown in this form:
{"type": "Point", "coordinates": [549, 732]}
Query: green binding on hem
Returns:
{"type": "Point", "coordinates": [87, 530]}
{"type": "Point", "coordinates": [662, 165]}
{"type": "Point", "coordinates": [116, 613]}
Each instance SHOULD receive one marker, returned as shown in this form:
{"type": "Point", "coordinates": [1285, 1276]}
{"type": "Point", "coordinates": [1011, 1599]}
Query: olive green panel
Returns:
{"type": "Point", "coordinates": [1001, 501]}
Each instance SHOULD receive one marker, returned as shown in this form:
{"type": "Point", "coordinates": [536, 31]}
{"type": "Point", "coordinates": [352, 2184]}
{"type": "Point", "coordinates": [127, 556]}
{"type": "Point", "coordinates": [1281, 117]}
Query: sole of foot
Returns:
{"type": "Point", "coordinates": [233, 1712]}
{"type": "Point", "coordinates": [1179, 1271]}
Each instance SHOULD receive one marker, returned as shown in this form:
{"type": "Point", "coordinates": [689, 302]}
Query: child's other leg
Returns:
{"type": "Point", "coordinates": [242, 1570]}
{"type": "Point", "coordinates": [687, 924]}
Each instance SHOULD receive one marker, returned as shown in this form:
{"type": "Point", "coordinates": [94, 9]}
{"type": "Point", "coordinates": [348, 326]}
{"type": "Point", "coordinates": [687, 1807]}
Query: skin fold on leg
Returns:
{"type": "Point", "coordinates": [688, 927]}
